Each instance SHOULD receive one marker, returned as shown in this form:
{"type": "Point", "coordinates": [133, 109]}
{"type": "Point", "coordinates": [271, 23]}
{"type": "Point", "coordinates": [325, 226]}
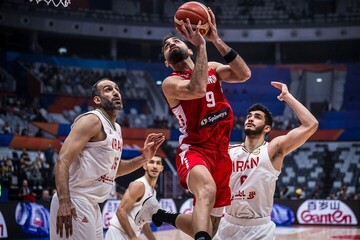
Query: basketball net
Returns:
{"type": "Point", "coordinates": [65, 3]}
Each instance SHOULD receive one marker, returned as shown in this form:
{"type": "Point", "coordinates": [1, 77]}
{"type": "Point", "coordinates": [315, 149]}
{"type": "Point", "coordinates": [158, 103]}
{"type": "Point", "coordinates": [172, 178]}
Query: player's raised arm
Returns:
{"type": "Point", "coordinates": [285, 144]}
{"type": "Point", "coordinates": [236, 70]}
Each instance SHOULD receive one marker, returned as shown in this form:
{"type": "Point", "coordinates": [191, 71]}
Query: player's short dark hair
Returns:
{"type": "Point", "coordinates": [95, 91]}
{"type": "Point", "coordinates": [162, 160]}
{"type": "Point", "coordinates": [168, 36]}
{"type": "Point", "coordinates": [265, 110]}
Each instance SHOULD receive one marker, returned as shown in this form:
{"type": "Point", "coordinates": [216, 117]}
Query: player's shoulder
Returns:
{"type": "Point", "coordinates": [86, 125]}
{"type": "Point", "coordinates": [137, 186]}
{"type": "Point", "coordinates": [174, 77]}
{"type": "Point", "coordinates": [88, 119]}
{"type": "Point", "coordinates": [235, 147]}
{"type": "Point", "coordinates": [91, 116]}
{"type": "Point", "coordinates": [172, 80]}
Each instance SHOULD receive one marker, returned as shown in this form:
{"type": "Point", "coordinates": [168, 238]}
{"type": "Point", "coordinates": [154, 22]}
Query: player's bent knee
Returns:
{"type": "Point", "coordinates": [207, 193]}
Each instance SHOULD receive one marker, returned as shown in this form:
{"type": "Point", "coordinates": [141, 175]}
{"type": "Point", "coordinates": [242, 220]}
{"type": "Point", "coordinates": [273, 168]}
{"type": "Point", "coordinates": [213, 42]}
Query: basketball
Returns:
{"type": "Point", "coordinates": [196, 12]}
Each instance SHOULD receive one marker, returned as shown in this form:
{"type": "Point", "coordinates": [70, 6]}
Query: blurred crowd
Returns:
{"type": "Point", "coordinates": [27, 175]}
{"type": "Point", "coordinates": [316, 193]}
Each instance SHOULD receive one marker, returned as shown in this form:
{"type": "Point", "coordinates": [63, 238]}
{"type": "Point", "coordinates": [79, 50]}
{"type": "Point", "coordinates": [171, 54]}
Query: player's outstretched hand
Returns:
{"type": "Point", "coordinates": [151, 144]}
{"type": "Point", "coordinates": [283, 88]}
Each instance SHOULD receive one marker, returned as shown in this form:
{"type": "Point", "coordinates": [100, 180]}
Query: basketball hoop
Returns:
{"type": "Point", "coordinates": [64, 3]}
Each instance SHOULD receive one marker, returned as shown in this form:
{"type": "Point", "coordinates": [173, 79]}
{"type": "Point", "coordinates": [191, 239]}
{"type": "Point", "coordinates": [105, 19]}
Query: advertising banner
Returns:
{"type": "Point", "coordinates": [108, 211]}
{"type": "Point", "coordinates": [326, 212]}
{"type": "Point", "coordinates": [187, 206]}
{"type": "Point", "coordinates": [282, 215]}
{"type": "Point", "coordinates": [3, 227]}
{"type": "Point", "coordinates": [168, 204]}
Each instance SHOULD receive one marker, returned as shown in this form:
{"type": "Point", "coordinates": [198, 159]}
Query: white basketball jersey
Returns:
{"type": "Point", "coordinates": [149, 191]}
{"type": "Point", "coordinates": [252, 182]}
{"type": "Point", "coordinates": [92, 174]}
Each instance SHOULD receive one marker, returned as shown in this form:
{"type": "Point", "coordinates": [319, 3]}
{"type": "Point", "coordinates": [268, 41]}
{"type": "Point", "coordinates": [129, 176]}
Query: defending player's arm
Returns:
{"type": "Point", "coordinates": [86, 128]}
{"type": "Point", "coordinates": [151, 145]}
{"type": "Point", "coordinates": [134, 193]}
{"type": "Point", "coordinates": [176, 89]}
{"type": "Point", "coordinates": [147, 232]}
{"type": "Point", "coordinates": [236, 70]}
{"type": "Point", "coordinates": [281, 146]}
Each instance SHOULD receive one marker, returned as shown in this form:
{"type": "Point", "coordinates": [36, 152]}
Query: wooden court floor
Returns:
{"type": "Point", "coordinates": [287, 233]}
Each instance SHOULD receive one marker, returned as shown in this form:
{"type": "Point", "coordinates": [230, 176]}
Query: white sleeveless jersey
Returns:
{"type": "Point", "coordinates": [252, 182]}
{"type": "Point", "coordinates": [92, 174]}
{"type": "Point", "coordinates": [149, 191]}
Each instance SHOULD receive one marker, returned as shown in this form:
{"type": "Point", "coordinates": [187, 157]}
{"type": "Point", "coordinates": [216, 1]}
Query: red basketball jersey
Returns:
{"type": "Point", "coordinates": [208, 120]}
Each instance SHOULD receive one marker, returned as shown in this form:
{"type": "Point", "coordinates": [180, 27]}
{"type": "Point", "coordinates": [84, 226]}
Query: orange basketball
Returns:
{"type": "Point", "coordinates": [196, 12]}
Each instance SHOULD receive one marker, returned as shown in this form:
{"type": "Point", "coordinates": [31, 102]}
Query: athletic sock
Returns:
{"type": "Point", "coordinates": [161, 216]}
{"type": "Point", "coordinates": [202, 236]}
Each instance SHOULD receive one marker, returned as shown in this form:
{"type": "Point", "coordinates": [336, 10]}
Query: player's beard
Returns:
{"type": "Point", "coordinates": [110, 106]}
{"type": "Point", "coordinates": [177, 55]}
{"type": "Point", "coordinates": [254, 133]}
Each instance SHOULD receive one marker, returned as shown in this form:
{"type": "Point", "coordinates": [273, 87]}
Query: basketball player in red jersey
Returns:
{"type": "Point", "coordinates": [194, 94]}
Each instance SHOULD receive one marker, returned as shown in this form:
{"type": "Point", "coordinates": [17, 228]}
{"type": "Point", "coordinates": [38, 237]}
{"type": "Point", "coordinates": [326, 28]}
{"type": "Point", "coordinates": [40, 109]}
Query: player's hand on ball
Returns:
{"type": "Point", "coordinates": [192, 35]}
{"type": "Point", "coordinates": [212, 34]}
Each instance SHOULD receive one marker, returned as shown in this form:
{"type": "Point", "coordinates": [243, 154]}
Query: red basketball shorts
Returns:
{"type": "Point", "coordinates": [217, 162]}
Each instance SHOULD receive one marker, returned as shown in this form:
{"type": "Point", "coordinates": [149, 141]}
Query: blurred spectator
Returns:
{"type": "Point", "coordinates": [7, 128]}
{"type": "Point", "coordinates": [120, 192]}
{"type": "Point", "coordinates": [343, 193]}
{"type": "Point", "coordinates": [332, 196]}
{"type": "Point", "coordinates": [293, 122]}
{"type": "Point", "coordinates": [24, 190]}
{"type": "Point", "coordinates": [45, 197]}
{"type": "Point", "coordinates": [125, 122]}
{"type": "Point", "coordinates": [35, 175]}
{"type": "Point", "coordinates": [357, 196]}
{"type": "Point", "coordinates": [26, 194]}
{"type": "Point", "coordinates": [31, 197]}
{"type": "Point", "coordinates": [18, 129]}
{"type": "Point", "coordinates": [299, 194]}
{"type": "Point", "coordinates": [25, 132]}
{"type": "Point", "coordinates": [25, 165]}
{"type": "Point", "coordinates": [48, 162]}
{"type": "Point", "coordinates": [49, 155]}
{"type": "Point", "coordinates": [284, 193]}
{"type": "Point", "coordinates": [39, 133]}
{"type": "Point", "coordinates": [316, 193]}
{"type": "Point", "coordinates": [6, 173]}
